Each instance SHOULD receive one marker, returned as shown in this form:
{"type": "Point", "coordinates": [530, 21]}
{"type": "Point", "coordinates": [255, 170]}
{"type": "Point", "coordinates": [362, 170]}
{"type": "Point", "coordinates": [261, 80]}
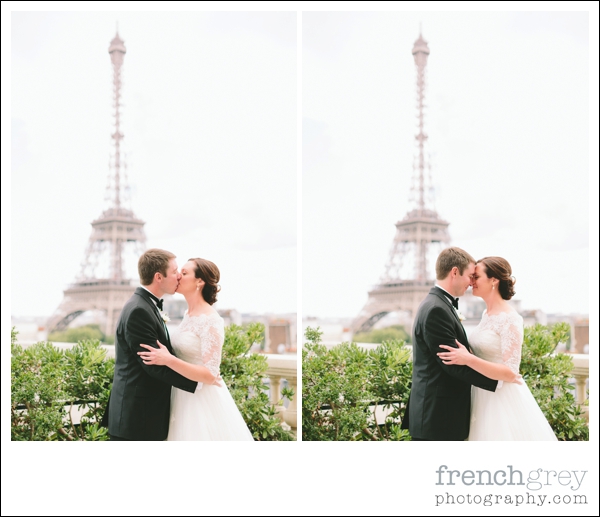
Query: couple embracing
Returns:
{"type": "Point", "coordinates": [168, 386]}
{"type": "Point", "coordinates": [470, 388]}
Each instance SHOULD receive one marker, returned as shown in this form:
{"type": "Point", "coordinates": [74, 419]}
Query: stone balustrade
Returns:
{"type": "Point", "coordinates": [284, 367]}
{"type": "Point", "coordinates": [581, 373]}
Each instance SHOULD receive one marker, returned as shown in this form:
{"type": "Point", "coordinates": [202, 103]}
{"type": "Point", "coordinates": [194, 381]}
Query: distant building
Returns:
{"type": "Point", "coordinates": [580, 331]}
{"type": "Point", "coordinates": [278, 337]}
{"type": "Point", "coordinates": [231, 316]}
{"type": "Point", "coordinates": [581, 336]}
{"type": "Point", "coordinates": [30, 330]}
{"type": "Point", "coordinates": [280, 329]}
{"type": "Point", "coordinates": [532, 317]}
{"type": "Point", "coordinates": [334, 330]}
{"type": "Point", "coordinates": [176, 307]}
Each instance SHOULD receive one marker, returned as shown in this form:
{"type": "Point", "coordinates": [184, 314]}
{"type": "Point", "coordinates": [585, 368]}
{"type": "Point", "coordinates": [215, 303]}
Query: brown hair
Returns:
{"type": "Point", "coordinates": [209, 272]}
{"type": "Point", "coordinates": [151, 262]}
{"type": "Point", "coordinates": [499, 268]}
{"type": "Point", "coordinates": [449, 258]}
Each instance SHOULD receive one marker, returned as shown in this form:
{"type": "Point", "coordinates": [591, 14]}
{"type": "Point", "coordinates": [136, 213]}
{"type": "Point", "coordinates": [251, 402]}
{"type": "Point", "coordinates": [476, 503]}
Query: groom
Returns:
{"type": "Point", "coordinates": [439, 405]}
{"type": "Point", "coordinates": [140, 399]}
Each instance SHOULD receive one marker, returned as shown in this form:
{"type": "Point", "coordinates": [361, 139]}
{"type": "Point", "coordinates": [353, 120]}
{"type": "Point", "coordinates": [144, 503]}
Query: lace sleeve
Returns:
{"type": "Point", "coordinates": [511, 341]}
{"type": "Point", "coordinates": [213, 346]}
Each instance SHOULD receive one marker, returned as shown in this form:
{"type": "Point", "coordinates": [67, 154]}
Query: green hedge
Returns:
{"type": "Point", "coordinates": [244, 374]}
{"type": "Point", "coordinates": [547, 376]}
{"type": "Point", "coordinates": [46, 382]}
{"type": "Point", "coordinates": [342, 386]}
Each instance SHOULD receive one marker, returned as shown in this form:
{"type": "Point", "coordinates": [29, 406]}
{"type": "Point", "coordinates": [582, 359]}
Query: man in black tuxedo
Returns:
{"type": "Point", "coordinates": [140, 400]}
{"type": "Point", "coordinates": [439, 405]}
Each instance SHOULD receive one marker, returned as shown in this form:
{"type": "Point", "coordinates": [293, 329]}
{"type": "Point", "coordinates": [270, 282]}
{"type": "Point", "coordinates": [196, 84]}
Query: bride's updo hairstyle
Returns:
{"type": "Point", "coordinates": [499, 268]}
{"type": "Point", "coordinates": [209, 272]}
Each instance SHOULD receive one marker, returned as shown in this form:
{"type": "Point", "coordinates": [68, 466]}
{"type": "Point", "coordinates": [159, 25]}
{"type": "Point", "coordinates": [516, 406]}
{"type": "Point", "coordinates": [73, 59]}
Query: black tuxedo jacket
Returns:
{"type": "Point", "coordinates": [140, 400]}
{"type": "Point", "coordinates": [439, 405]}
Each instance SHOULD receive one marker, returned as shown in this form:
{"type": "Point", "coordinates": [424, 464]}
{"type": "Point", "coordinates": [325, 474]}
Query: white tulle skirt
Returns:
{"type": "Point", "coordinates": [509, 414]}
{"type": "Point", "coordinates": [209, 414]}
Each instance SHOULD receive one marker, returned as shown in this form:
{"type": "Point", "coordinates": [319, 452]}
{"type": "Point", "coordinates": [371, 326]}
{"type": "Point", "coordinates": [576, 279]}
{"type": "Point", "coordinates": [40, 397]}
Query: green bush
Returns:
{"type": "Point", "coordinates": [47, 384]}
{"type": "Point", "coordinates": [343, 386]}
{"type": "Point", "coordinates": [547, 376]}
{"type": "Point", "coordinates": [244, 373]}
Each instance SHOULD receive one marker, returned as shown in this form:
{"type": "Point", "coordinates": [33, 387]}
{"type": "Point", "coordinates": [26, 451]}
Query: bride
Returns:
{"type": "Point", "coordinates": [209, 413]}
{"type": "Point", "coordinates": [511, 412]}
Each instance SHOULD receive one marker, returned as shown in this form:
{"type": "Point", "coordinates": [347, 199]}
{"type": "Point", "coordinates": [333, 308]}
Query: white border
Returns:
{"type": "Point", "coordinates": [273, 478]}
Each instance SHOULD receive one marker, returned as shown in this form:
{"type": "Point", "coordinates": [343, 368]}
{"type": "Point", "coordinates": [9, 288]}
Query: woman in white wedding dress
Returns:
{"type": "Point", "coordinates": [511, 412]}
{"type": "Point", "coordinates": [210, 413]}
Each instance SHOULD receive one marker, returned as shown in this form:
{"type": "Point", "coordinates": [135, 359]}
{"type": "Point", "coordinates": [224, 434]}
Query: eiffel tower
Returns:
{"type": "Point", "coordinates": [105, 281]}
{"type": "Point", "coordinates": [420, 235]}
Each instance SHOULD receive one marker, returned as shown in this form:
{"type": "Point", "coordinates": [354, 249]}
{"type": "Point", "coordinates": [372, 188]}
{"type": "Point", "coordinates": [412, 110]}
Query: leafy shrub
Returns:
{"type": "Point", "coordinates": [244, 372]}
{"type": "Point", "coordinates": [47, 384]}
{"type": "Point", "coordinates": [342, 387]}
{"type": "Point", "coordinates": [548, 376]}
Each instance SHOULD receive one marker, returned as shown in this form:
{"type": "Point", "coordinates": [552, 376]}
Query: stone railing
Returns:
{"type": "Point", "coordinates": [284, 367]}
{"type": "Point", "coordinates": [581, 373]}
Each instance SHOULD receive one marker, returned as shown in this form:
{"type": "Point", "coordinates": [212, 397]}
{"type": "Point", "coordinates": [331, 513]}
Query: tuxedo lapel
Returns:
{"type": "Point", "coordinates": [147, 298]}
{"type": "Point", "coordinates": [442, 295]}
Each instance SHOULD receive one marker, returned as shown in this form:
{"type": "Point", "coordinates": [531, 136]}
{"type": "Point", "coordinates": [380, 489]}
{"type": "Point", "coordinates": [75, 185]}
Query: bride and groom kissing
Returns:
{"type": "Point", "coordinates": [168, 387]}
{"type": "Point", "coordinates": [470, 389]}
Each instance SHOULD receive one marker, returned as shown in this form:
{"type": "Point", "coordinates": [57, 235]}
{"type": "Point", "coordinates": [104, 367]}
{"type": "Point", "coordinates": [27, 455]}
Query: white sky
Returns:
{"type": "Point", "coordinates": [508, 115]}
{"type": "Point", "coordinates": [209, 120]}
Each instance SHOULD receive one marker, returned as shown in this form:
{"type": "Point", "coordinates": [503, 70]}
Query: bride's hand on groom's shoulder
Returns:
{"type": "Point", "coordinates": [158, 356]}
{"type": "Point", "coordinates": [454, 355]}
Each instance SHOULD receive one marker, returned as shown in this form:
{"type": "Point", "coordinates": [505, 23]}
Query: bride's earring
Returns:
{"type": "Point", "coordinates": [493, 286]}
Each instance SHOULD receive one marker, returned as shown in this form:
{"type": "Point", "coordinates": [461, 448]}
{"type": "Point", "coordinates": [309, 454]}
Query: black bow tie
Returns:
{"type": "Point", "coordinates": [455, 303]}
{"type": "Point", "coordinates": [159, 304]}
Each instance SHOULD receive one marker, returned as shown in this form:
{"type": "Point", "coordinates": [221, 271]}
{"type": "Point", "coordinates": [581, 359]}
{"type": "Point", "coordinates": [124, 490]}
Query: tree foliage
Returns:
{"type": "Point", "coordinates": [342, 385]}
{"type": "Point", "coordinates": [548, 377]}
{"type": "Point", "coordinates": [83, 333]}
{"type": "Point", "coordinates": [244, 374]}
{"type": "Point", "coordinates": [391, 333]}
{"type": "Point", "coordinates": [50, 386]}
{"type": "Point", "coordinates": [343, 388]}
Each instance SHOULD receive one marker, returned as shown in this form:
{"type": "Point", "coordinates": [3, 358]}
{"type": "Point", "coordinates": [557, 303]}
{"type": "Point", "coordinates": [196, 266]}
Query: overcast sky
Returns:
{"type": "Point", "coordinates": [209, 119]}
{"type": "Point", "coordinates": [508, 114]}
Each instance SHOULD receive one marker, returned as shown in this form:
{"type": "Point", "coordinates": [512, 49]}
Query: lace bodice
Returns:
{"type": "Point", "coordinates": [199, 340]}
{"type": "Point", "coordinates": [498, 338]}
